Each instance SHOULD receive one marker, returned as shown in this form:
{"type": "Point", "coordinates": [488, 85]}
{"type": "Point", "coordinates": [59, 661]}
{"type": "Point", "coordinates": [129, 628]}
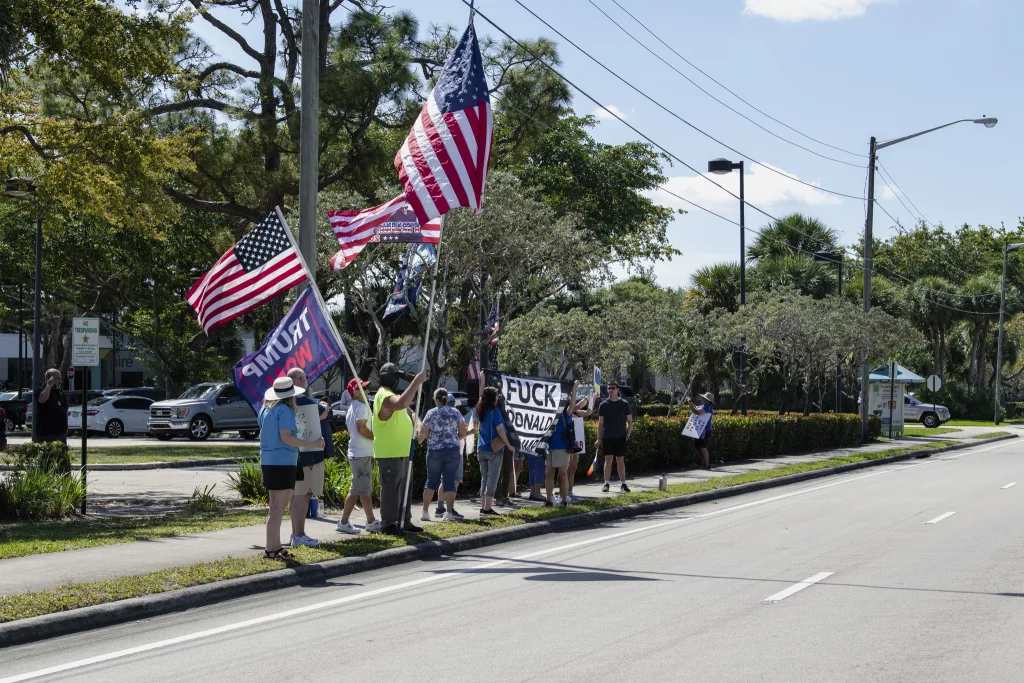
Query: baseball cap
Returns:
{"type": "Point", "coordinates": [393, 369]}
{"type": "Point", "coordinates": [354, 384]}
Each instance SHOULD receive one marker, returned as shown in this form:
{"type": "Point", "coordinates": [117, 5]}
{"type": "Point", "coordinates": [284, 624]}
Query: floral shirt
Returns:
{"type": "Point", "coordinates": [444, 427]}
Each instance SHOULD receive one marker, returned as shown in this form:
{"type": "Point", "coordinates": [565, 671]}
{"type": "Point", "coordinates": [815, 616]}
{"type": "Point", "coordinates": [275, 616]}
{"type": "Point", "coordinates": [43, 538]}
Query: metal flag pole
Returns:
{"type": "Point", "coordinates": [419, 392]}
{"type": "Point", "coordinates": [320, 300]}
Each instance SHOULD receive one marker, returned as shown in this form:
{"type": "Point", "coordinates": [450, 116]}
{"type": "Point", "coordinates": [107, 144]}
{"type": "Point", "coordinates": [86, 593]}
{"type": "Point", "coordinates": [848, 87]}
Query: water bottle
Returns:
{"type": "Point", "coordinates": [314, 508]}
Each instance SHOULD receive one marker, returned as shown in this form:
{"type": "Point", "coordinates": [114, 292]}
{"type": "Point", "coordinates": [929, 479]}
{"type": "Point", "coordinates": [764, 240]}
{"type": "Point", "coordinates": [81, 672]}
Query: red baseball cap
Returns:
{"type": "Point", "coordinates": [354, 384]}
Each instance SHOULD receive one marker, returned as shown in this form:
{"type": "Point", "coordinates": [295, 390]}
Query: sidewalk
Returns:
{"type": "Point", "coordinates": [38, 572]}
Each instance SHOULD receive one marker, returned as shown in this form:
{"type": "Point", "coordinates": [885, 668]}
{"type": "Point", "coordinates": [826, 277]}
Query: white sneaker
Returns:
{"type": "Point", "coordinates": [304, 540]}
{"type": "Point", "coordinates": [557, 499]}
{"type": "Point", "coordinates": [373, 527]}
{"type": "Point", "coordinates": [425, 516]}
{"type": "Point", "coordinates": [347, 528]}
{"type": "Point", "coordinates": [449, 517]}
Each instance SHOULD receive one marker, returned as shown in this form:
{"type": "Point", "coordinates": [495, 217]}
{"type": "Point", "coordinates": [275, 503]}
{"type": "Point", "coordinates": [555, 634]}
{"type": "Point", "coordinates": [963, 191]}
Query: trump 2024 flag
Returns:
{"type": "Point", "coordinates": [443, 162]}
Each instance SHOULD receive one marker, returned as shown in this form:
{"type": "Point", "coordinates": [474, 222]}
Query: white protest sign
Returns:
{"type": "Point", "coordinates": [532, 403]}
{"type": "Point", "coordinates": [580, 435]}
{"type": "Point", "coordinates": [695, 425]}
{"type": "Point", "coordinates": [307, 424]}
{"type": "Point", "coordinates": [85, 342]}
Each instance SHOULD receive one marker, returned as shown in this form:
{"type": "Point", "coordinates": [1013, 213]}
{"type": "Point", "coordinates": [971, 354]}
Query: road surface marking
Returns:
{"type": "Point", "coordinates": [1010, 485]}
{"type": "Point", "coordinates": [227, 628]}
{"type": "Point", "coordinates": [796, 588]}
{"type": "Point", "coordinates": [941, 517]}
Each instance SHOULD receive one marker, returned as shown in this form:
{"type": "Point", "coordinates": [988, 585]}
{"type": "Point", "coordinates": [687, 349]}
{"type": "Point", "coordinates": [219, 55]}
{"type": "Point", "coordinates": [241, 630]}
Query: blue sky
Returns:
{"type": "Point", "coordinates": [837, 70]}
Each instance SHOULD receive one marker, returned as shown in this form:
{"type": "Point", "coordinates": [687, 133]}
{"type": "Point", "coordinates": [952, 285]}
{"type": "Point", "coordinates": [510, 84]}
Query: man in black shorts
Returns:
{"type": "Point", "coordinates": [614, 427]}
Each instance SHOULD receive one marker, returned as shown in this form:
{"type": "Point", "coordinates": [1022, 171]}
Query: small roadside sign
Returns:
{"type": "Point", "coordinates": [85, 339]}
{"type": "Point", "coordinates": [71, 373]}
{"type": "Point", "coordinates": [934, 383]}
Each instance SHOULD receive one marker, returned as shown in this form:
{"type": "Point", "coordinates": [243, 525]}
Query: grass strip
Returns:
{"type": "Point", "coordinates": [141, 454]}
{"type": "Point", "coordinates": [73, 596]}
{"type": "Point", "coordinates": [18, 539]}
{"type": "Point", "coordinates": [922, 431]}
{"type": "Point", "coordinates": [990, 435]}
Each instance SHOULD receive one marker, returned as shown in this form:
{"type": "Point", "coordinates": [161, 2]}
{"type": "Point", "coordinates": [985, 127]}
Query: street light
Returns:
{"type": "Point", "coordinates": [1007, 248]}
{"type": "Point", "coordinates": [724, 167]}
{"type": "Point", "coordinates": [988, 122]}
{"type": "Point", "coordinates": [829, 257]}
{"type": "Point", "coordinates": [20, 188]}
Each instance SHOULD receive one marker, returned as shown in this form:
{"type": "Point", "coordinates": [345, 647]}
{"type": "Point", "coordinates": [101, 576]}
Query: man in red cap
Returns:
{"type": "Point", "coordinates": [360, 459]}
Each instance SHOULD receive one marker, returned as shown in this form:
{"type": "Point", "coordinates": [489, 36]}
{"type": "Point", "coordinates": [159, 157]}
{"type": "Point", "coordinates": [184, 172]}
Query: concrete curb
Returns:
{"type": "Point", "coordinates": [98, 616]}
{"type": "Point", "coordinates": [172, 464]}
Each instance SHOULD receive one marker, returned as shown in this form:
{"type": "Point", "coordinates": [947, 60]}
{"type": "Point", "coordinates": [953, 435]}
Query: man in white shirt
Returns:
{"type": "Point", "coordinates": [360, 459]}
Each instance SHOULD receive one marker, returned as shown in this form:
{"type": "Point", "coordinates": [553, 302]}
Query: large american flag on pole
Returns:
{"type": "Point", "coordinates": [393, 221]}
{"type": "Point", "coordinates": [443, 163]}
{"type": "Point", "coordinates": [260, 266]}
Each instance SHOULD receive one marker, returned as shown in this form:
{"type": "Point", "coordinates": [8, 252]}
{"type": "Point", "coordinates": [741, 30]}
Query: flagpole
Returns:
{"type": "Point", "coordinates": [320, 300]}
{"type": "Point", "coordinates": [423, 367]}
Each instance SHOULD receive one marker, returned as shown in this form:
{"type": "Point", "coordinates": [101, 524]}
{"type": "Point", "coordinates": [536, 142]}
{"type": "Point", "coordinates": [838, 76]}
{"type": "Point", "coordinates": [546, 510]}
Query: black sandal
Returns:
{"type": "Point", "coordinates": [279, 554]}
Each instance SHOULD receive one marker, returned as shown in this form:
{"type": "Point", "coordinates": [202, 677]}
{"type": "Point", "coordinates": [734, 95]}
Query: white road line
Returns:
{"type": "Point", "coordinates": [1010, 485]}
{"type": "Point", "coordinates": [227, 628]}
{"type": "Point", "coordinates": [796, 588]}
{"type": "Point", "coordinates": [941, 517]}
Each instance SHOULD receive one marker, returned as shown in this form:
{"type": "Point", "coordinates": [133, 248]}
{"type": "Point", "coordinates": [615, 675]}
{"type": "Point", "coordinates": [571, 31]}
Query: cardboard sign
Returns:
{"type": "Point", "coordinates": [695, 425]}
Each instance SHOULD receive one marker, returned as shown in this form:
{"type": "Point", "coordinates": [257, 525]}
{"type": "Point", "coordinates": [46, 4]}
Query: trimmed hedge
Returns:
{"type": "Point", "coordinates": [658, 445]}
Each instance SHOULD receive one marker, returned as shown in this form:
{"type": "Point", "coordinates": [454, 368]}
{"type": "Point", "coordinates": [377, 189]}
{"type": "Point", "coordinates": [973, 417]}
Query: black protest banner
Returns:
{"type": "Point", "coordinates": [532, 404]}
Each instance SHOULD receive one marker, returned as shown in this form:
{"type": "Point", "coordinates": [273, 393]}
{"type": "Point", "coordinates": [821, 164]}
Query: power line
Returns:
{"type": "Point", "coordinates": [672, 113]}
{"type": "Point", "coordinates": [899, 192]}
{"type": "Point", "coordinates": [731, 92]}
{"type": "Point", "coordinates": [724, 104]}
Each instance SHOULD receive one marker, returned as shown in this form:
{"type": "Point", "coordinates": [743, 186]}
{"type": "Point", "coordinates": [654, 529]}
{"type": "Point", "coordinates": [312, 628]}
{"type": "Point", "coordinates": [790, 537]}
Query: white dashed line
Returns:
{"type": "Point", "coordinates": [1010, 485]}
{"type": "Point", "coordinates": [941, 517]}
{"type": "Point", "coordinates": [796, 588]}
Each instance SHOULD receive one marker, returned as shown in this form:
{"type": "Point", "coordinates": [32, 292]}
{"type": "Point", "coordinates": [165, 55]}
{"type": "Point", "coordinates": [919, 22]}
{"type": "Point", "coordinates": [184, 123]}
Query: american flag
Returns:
{"type": "Point", "coordinates": [260, 266]}
{"type": "Point", "coordinates": [390, 222]}
{"type": "Point", "coordinates": [443, 163]}
{"type": "Point", "coordinates": [473, 373]}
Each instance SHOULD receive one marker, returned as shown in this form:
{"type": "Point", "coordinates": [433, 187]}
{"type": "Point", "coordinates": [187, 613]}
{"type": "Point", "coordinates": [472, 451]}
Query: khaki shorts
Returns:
{"type": "Point", "coordinates": [312, 481]}
{"type": "Point", "coordinates": [362, 476]}
{"type": "Point", "coordinates": [558, 458]}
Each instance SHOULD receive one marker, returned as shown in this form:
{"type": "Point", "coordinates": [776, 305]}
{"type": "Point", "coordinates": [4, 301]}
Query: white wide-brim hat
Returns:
{"type": "Point", "coordinates": [283, 387]}
{"type": "Point", "coordinates": [709, 397]}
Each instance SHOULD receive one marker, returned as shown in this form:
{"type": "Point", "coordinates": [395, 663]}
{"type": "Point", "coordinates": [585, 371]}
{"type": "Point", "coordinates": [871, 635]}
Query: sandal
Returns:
{"type": "Point", "coordinates": [279, 554]}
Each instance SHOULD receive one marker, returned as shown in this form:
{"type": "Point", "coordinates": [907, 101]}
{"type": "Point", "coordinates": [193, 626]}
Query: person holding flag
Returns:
{"type": "Point", "coordinates": [392, 444]}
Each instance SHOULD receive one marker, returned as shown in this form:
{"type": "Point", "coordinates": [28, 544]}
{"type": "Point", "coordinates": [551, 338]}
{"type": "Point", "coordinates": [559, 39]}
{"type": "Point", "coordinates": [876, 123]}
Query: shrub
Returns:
{"type": "Point", "coordinates": [202, 501]}
{"type": "Point", "coordinates": [248, 483]}
{"type": "Point", "coordinates": [36, 493]}
{"type": "Point", "coordinates": [50, 456]}
{"type": "Point", "coordinates": [337, 480]}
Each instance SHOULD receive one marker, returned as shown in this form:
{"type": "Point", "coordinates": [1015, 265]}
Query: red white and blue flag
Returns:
{"type": "Point", "coordinates": [443, 162]}
{"type": "Point", "coordinates": [390, 222]}
{"type": "Point", "coordinates": [473, 373]}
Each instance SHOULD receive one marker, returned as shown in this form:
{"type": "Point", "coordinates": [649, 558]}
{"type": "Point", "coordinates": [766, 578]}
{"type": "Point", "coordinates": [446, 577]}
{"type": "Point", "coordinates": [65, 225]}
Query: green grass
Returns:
{"type": "Point", "coordinates": [18, 539]}
{"type": "Point", "coordinates": [922, 431]}
{"type": "Point", "coordinates": [991, 435]}
{"type": "Point", "coordinates": [140, 454]}
{"type": "Point", "coordinates": [970, 423]}
{"type": "Point", "coordinates": [24, 605]}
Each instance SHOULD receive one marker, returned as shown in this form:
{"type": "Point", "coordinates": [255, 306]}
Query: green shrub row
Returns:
{"type": "Point", "coordinates": [658, 445]}
{"type": "Point", "coordinates": [41, 486]}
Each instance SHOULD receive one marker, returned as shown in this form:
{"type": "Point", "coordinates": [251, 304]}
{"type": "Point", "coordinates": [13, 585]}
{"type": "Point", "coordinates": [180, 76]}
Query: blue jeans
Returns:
{"type": "Point", "coordinates": [537, 469]}
{"type": "Point", "coordinates": [442, 464]}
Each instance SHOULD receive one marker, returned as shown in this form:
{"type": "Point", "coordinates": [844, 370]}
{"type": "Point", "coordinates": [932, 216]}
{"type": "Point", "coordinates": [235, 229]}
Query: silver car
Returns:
{"type": "Point", "coordinates": [929, 414]}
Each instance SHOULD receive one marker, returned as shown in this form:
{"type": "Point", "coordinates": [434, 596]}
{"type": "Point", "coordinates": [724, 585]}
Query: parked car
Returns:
{"type": "Point", "coordinates": [149, 392]}
{"type": "Point", "coordinates": [15, 409]}
{"type": "Point", "coordinates": [928, 414]}
{"type": "Point", "coordinates": [461, 399]}
{"type": "Point", "coordinates": [202, 410]}
{"type": "Point", "coordinates": [337, 418]}
{"type": "Point", "coordinates": [331, 396]}
{"type": "Point", "coordinates": [75, 397]}
{"type": "Point", "coordinates": [626, 393]}
{"type": "Point", "coordinates": [114, 416]}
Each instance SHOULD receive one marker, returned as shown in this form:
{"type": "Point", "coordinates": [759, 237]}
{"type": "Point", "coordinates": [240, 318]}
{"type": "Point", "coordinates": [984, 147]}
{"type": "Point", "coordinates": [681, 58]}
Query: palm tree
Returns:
{"type": "Point", "coordinates": [796, 271]}
{"type": "Point", "coordinates": [793, 234]}
{"type": "Point", "coordinates": [717, 287]}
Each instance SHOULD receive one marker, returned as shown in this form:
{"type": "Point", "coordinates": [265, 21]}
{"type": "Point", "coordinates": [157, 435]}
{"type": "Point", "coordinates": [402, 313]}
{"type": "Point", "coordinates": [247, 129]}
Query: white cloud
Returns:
{"type": "Point", "coordinates": [890, 193]}
{"type": "Point", "coordinates": [605, 116]}
{"type": "Point", "coordinates": [804, 10]}
{"type": "Point", "coordinates": [762, 188]}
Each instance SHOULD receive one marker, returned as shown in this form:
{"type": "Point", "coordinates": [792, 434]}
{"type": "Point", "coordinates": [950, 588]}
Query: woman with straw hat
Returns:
{"type": "Point", "coordinates": [279, 456]}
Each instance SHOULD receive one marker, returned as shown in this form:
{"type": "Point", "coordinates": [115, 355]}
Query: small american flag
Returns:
{"type": "Point", "coordinates": [473, 373]}
{"type": "Point", "coordinates": [260, 266]}
{"type": "Point", "coordinates": [443, 162]}
{"type": "Point", "coordinates": [390, 222]}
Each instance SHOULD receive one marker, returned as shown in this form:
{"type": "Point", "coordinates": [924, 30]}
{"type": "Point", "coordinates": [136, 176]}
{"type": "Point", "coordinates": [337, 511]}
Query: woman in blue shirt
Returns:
{"type": "Point", "coordinates": [279, 456]}
{"type": "Point", "coordinates": [490, 448]}
{"type": "Point", "coordinates": [442, 428]}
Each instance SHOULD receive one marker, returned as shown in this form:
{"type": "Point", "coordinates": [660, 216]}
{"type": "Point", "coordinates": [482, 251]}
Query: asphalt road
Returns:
{"type": "Point", "coordinates": [872, 580]}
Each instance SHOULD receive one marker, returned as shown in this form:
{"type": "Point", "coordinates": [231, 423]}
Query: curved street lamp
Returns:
{"type": "Point", "coordinates": [20, 188]}
{"type": "Point", "coordinates": [988, 122]}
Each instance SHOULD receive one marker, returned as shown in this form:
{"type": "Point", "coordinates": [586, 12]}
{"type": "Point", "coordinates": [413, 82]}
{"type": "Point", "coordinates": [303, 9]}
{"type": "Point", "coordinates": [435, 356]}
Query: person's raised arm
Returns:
{"type": "Point", "coordinates": [694, 408]}
{"type": "Point", "coordinates": [392, 404]}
